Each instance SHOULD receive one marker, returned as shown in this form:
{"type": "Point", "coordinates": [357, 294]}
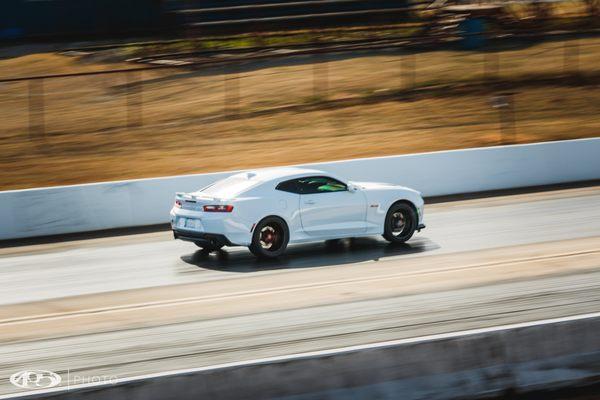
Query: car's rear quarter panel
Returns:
{"type": "Point", "coordinates": [264, 201]}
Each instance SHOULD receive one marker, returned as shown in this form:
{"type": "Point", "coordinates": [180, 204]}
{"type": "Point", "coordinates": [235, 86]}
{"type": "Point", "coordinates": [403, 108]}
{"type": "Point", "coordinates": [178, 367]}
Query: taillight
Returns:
{"type": "Point", "coordinates": [218, 208]}
{"type": "Point", "coordinates": [177, 204]}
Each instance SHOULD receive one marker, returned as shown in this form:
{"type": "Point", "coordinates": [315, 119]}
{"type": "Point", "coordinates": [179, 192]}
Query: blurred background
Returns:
{"type": "Point", "coordinates": [94, 91]}
{"type": "Point", "coordinates": [104, 90]}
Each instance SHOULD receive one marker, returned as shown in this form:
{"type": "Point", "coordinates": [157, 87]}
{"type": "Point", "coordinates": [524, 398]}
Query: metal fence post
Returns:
{"type": "Point", "coordinates": [231, 87]}
{"type": "Point", "coordinates": [408, 67]}
{"type": "Point", "coordinates": [491, 64]}
{"type": "Point", "coordinates": [134, 99]}
{"type": "Point", "coordinates": [509, 118]}
{"type": "Point", "coordinates": [505, 104]}
{"type": "Point", "coordinates": [571, 57]}
{"type": "Point", "coordinates": [320, 77]}
{"type": "Point", "coordinates": [36, 108]}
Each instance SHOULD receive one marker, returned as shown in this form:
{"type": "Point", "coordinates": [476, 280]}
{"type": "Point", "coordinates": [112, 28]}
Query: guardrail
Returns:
{"type": "Point", "coordinates": [518, 358]}
{"type": "Point", "coordinates": [98, 206]}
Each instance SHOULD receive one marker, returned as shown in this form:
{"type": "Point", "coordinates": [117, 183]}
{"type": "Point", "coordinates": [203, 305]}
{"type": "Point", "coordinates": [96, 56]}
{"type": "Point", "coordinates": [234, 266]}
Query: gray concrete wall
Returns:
{"type": "Point", "coordinates": [522, 357]}
{"type": "Point", "coordinates": [90, 207]}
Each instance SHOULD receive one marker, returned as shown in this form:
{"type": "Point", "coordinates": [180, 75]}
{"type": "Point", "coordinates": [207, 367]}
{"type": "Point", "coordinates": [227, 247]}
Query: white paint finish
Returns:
{"type": "Point", "coordinates": [324, 215]}
{"type": "Point", "coordinates": [79, 208]}
{"type": "Point", "coordinates": [312, 215]}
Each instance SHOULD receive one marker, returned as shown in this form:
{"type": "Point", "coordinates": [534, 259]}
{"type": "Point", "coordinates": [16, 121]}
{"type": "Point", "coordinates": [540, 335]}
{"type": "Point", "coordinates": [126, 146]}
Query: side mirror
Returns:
{"type": "Point", "coordinates": [352, 188]}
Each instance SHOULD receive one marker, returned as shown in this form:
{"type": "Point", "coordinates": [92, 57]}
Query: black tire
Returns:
{"type": "Point", "coordinates": [270, 238]}
{"type": "Point", "coordinates": [400, 223]}
{"type": "Point", "coordinates": [208, 247]}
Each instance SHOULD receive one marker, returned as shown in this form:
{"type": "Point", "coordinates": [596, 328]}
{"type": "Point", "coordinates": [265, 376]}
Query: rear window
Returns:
{"type": "Point", "coordinates": [289, 186]}
{"type": "Point", "coordinates": [229, 187]}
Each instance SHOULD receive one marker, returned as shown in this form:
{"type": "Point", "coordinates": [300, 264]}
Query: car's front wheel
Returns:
{"type": "Point", "coordinates": [400, 223]}
{"type": "Point", "coordinates": [269, 238]}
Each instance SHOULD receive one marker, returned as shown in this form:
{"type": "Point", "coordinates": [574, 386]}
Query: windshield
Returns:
{"type": "Point", "coordinates": [228, 187]}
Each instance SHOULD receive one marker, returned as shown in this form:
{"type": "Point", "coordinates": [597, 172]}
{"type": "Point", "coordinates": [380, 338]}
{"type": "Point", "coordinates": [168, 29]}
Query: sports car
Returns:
{"type": "Point", "coordinates": [268, 209]}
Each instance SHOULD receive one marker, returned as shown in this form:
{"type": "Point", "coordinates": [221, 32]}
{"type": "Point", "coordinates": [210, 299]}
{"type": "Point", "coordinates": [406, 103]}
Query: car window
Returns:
{"type": "Point", "coordinates": [312, 185]}
{"type": "Point", "coordinates": [291, 186]}
{"type": "Point", "coordinates": [320, 184]}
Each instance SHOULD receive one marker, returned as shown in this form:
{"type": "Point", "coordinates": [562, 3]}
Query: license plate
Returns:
{"type": "Point", "coordinates": [192, 223]}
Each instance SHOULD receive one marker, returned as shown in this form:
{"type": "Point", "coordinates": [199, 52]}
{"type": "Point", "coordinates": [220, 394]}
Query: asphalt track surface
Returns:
{"type": "Point", "coordinates": [130, 305]}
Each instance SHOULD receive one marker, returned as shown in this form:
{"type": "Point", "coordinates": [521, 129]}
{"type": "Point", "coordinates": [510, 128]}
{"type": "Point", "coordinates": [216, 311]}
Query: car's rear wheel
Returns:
{"type": "Point", "coordinates": [208, 247]}
{"type": "Point", "coordinates": [400, 223]}
{"type": "Point", "coordinates": [269, 238]}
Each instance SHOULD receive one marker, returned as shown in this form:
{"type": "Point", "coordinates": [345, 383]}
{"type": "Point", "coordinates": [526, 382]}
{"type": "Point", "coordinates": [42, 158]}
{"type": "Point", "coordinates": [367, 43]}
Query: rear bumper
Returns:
{"type": "Point", "coordinates": [202, 237]}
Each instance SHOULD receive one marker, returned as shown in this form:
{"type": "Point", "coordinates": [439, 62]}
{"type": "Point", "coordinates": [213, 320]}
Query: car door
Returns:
{"type": "Point", "coordinates": [328, 208]}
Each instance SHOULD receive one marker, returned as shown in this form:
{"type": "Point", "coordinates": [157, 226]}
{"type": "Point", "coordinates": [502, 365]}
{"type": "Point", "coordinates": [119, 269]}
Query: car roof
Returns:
{"type": "Point", "coordinates": [270, 174]}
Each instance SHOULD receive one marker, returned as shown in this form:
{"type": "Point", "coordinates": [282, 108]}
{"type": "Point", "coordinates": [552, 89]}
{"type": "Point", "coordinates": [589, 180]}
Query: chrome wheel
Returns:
{"type": "Point", "coordinates": [398, 223]}
{"type": "Point", "coordinates": [269, 238]}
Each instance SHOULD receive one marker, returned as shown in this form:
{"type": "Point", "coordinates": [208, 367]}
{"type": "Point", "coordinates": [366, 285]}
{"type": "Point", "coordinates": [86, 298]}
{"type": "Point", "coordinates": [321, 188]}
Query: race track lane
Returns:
{"type": "Point", "coordinates": [479, 263]}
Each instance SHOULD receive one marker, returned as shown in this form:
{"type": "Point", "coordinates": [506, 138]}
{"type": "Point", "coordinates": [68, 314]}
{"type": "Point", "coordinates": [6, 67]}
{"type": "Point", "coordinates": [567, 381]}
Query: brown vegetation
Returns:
{"type": "Point", "coordinates": [367, 105]}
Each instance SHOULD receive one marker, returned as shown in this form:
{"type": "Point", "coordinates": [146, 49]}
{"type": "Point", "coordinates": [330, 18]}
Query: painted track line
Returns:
{"type": "Point", "coordinates": [281, 289]}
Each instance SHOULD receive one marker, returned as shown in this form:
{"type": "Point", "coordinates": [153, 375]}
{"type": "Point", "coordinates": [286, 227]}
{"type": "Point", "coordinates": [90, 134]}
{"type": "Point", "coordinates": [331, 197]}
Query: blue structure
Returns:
{"type": "Point", "coordinates": [23, 18]}
{"type": "Point", "coordinates": [472, 31]}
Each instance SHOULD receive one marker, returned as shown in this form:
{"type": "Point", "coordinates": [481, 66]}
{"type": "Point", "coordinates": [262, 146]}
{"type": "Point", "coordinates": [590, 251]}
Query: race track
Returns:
{"type": "Point", "coordinates": [145, 303]}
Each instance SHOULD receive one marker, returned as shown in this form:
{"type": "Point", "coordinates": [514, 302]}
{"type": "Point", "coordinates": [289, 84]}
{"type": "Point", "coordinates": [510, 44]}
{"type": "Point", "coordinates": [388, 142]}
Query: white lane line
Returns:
{"type": "Point", "coordinates": [297, 356]}
{"type": "Point", "coordinates": [281, 289]}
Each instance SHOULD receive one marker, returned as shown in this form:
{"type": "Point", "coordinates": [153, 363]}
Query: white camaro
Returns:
{"type": "Point", "coordinates": [269, 208]}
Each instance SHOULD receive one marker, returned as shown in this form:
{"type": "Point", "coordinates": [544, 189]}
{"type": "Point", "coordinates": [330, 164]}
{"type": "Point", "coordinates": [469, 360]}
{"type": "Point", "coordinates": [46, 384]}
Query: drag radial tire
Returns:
{"type": "Point", "coordinates": [208, 247]}
{"type": "Point", "coordinates": [269, 238]}
{"type": "Point", "coordinates": [400, 223]}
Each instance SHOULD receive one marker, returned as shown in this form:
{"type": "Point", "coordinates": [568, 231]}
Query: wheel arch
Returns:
{"type": "Point", "coordinates": [404, 235]}
{"type": "Point", "coordinates": [407, 202]}
{"type": "Point", "coordinates": [279, 217]}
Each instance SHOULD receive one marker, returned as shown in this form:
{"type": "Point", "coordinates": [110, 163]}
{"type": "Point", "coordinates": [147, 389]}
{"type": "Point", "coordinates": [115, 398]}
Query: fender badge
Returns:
{"type": "Point", "coordinates": [374, 205]}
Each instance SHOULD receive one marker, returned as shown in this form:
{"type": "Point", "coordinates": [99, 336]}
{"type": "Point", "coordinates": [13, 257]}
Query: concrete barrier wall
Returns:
{"type": "Point", "coordinates": [80, 208]}
{"type": "Point", "coordinates": [518, 358]}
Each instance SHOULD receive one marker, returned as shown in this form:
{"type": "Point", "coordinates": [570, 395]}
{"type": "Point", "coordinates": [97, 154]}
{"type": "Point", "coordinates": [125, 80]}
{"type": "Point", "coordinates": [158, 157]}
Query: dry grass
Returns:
{"type": "Point", "coordinates": [284, 114]}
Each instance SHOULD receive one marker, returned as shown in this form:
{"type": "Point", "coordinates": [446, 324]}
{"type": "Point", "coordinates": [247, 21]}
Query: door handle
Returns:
{"type": "Point", "coordinates": [309, 202]}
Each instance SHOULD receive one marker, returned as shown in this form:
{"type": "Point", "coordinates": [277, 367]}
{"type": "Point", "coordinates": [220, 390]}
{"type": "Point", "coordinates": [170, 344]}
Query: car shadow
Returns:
{"type": "Point", "coordinates": [321, 254]}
